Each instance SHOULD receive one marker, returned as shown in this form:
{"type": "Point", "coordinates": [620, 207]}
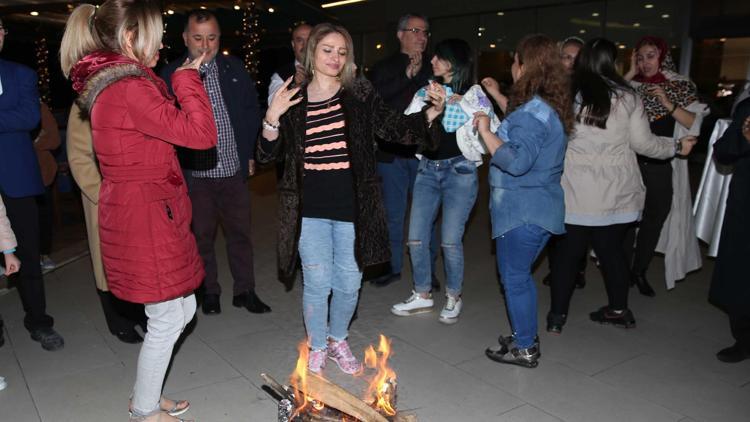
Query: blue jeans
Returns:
{"type": "Point", "coordinates": [452, 183]}
{"type": "Point", "coordinates": [326, 248]}
{"type": "Point", "coordinates": [397, 179]}
{"type": "Point", "coordinates": [516, 252]}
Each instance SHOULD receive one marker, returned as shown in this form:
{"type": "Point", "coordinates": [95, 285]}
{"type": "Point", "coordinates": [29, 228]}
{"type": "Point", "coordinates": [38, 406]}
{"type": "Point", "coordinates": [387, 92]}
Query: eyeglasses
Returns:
{"type": "Point", "coordinates": [417, 31]}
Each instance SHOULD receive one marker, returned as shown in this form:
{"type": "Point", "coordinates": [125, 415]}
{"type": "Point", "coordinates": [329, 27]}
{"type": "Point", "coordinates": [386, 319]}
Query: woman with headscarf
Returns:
{"type": "Point", "coordinates": [673, 111]}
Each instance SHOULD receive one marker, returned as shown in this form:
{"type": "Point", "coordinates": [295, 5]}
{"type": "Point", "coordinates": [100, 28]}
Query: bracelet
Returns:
{"type": "Point", "coordinates": [674, 107]}
{"type": "Point", "coordinates": [270, 126]}
{"type": "Point", "coordinates": [677, 147]}
{"type": "Point", "coordinates": [9, 251]}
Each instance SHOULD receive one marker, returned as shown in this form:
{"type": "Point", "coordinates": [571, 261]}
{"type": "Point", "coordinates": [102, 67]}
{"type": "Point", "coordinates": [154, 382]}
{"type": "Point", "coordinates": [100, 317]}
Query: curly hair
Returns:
{"type": "Point", "coordinates": [543, 75]}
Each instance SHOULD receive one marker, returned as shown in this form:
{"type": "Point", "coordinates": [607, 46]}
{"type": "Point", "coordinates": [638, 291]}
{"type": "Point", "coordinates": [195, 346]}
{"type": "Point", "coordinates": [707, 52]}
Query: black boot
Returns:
{"type": "Point", "coordinates": [555, 322]}
{"type": "Point", "coordinates": [640, 281]}
{"type": "Point", "coordinates": [605, 315]}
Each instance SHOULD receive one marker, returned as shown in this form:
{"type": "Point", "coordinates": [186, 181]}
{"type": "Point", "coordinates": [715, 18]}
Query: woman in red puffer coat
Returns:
{"type": "Point", "coordinates": [149, 253]}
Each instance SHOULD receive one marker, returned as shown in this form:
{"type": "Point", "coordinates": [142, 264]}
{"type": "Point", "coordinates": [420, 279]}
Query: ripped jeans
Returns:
{"type": "Point", "coordinates": [326, 249]}
{"type": "Point", "coordinates": [452, 183]}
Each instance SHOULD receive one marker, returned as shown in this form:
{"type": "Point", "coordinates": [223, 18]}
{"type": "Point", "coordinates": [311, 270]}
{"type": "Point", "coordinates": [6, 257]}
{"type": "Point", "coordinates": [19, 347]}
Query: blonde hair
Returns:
{"type": "Point", "coordinates": [348, 73]}
{"type": "Point", "coordinates": [107, 27]}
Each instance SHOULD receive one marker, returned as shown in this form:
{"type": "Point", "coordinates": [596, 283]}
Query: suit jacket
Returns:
{"type": "Point", "coordinates": [241, 100]}
{"type": "Point", "coordinates": [19, 115]}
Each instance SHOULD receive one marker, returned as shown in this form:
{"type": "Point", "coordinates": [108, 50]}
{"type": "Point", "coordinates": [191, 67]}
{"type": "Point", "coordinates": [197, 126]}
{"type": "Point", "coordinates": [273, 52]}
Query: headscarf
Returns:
{"type": "Point", "coordinates": [680, 90]}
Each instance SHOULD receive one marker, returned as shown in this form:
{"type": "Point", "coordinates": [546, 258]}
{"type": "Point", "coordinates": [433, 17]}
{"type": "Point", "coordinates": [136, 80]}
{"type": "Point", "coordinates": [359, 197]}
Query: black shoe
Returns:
{"type": "Point", "coordinates": [604, 315]}
{"type": "Point", "coordinates": [580, 280]}
{"type": "Point", "coordinates": [49, 339]}
{"type": "Point", "coordinates": [251, 302]}
{"type": "Point", "coordinates": [547, 279]}
{"type": "Point", "coordinates": [639, 280]}
{"type": "Point", "coordinates": [528, 358]}
{"type": "Point", "coordinates": [733, 354]}
{"type": "Point", "coordinates": [555, 322]}
{"type": "Point", "coordinates": [129, 336]}
{"type": "Point", "coordinates": [435, 283]}
{"type": "Point", "coordinates": [507, 342]}
{"type": "Point", "coordinates": [211, 305]}
{"type": "Point", "coordinates": [386, 279]}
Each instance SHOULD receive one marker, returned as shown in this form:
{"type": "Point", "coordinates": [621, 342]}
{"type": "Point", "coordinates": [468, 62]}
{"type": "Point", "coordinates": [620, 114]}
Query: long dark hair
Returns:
{"type": "Point", "coordinates": [596, 81]}
{"type": "Point", "coordinates": [458, 54]}
{"type": "Point", "coordinates": [544, 76]}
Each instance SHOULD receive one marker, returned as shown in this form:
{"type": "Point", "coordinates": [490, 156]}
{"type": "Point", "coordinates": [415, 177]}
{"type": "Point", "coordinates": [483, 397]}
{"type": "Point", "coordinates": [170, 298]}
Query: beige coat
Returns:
{"type": "Point", "coordinates": [85, 171]}
{"type": "Point", "coordinates": [7, 237]}
{"type": "Point", "coordinates": [601, 177]}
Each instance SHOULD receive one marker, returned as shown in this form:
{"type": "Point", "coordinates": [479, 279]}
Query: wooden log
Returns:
{"type": "Point", "coordinates": [334, 396]}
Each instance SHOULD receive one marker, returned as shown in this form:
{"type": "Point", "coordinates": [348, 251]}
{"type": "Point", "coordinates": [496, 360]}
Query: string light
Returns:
{"type": "Point", "coordinates": [42, 69]}
{"type": "Point", "coordinates": [251, 35]}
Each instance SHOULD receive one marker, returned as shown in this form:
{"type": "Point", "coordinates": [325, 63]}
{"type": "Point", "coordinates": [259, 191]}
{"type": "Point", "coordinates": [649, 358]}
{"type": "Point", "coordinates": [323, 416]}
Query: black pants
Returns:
{"type": "Point", "coordinates": [121, 316]}
{"type": "Point", "coordinates": [657, 176]}
{"type": "Point", "coordinates": [44, 203]}
{"type": "Point", "coordinates": [572, 246]}
{"type": "Point", "coordinates": [552, 244]}
{"type": "Point", "coordinates": [740, 326]}
{"type": "Point", "coordinates": [24, 218]}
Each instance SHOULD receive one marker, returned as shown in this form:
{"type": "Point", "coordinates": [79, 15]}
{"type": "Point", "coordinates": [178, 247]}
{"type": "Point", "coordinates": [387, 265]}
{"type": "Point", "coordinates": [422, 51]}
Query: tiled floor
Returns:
{"type": "Point", "coordinates": [664, 370]}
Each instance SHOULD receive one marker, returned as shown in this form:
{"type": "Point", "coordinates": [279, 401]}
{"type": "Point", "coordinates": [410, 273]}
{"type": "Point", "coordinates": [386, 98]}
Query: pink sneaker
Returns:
{"type": "Point", "coordinates": [316, 361]}
{"type": "Point", "coordinates": [339, 352]}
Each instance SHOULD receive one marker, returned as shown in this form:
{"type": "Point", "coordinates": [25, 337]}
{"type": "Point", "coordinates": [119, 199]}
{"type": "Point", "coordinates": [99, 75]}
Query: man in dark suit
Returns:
{"type": "Point", "coordinates": [20, 182]}
{"type": "Point", "coordinates": [397, 78]}
{"type": "Point", "coordinates": [218, 186]}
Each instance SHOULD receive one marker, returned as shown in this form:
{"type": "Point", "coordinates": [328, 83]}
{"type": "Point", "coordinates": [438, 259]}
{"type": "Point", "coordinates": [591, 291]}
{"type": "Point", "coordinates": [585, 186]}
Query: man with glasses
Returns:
{"type": "Point", "coordinates": [20, 183]}
{"type": "Point", "coordinates": [397, 78]}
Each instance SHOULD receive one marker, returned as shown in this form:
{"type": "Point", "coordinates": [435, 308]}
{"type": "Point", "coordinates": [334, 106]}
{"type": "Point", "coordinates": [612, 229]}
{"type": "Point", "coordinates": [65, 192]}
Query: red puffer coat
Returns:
{"type": "Point", "coordinates": [149, 252]}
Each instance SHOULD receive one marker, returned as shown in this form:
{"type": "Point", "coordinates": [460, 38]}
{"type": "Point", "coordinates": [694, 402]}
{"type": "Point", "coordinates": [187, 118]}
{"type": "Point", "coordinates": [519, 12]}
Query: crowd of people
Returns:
{"type": "Point", "coordinates": [579, 157]}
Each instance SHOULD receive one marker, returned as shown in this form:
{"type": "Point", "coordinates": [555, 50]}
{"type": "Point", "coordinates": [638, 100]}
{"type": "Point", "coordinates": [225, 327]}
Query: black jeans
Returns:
{"type": "Point", "coordinates": [566, 257]}
{"type": "Point", "coordinates": [24, 218]}
{"type": "Point", "coordinates": [657, 176]}
{"type": "Point", "coordinates": [740, 326]}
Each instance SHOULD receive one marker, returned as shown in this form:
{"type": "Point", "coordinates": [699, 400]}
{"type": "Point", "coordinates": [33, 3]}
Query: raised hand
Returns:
{"type": "Point", "coordinates": [436, 97]}
{"type": "Point", "coordinates": [282, 101]}
{"type": "Point", "coordinates": [194, 64]}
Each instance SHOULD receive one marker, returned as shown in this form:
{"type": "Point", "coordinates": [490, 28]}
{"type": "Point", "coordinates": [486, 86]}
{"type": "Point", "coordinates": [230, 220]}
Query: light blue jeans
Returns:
{"type": "Point", "coordinates": [452, 183]}
{"type": "Point", "coordinates": [516, 252]}
{"type": "Point", "coordinates": [326, 248]}
{"type": "Point", "coordinates": [166, 321]}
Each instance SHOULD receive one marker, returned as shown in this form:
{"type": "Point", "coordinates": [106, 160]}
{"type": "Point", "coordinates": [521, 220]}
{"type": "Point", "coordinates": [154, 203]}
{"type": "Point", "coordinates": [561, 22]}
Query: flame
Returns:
{"type": "Point", "coordinates": [381, 387]}
{"type": "Point", "coordinates": [298, 378]}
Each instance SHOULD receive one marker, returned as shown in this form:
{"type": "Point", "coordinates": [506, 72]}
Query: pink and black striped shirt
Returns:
{"type": "Point", "coordinates": [328, 184]}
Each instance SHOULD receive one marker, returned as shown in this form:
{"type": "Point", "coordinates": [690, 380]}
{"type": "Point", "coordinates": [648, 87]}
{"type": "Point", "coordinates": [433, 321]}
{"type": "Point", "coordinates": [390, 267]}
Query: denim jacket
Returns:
{"type": "Point", "coordinates": [525, 171]}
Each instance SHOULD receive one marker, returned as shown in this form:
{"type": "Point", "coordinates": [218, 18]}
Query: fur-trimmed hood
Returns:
{"type": "Point", "coordinates": [100, 69]}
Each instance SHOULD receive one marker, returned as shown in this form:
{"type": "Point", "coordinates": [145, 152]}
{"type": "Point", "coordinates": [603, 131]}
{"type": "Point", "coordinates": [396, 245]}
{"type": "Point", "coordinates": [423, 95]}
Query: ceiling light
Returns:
{"type": "Point", "coordinates": [492, 45]}
{"type": "Point", "coordinates": [648, 6]}
{"type": "Point", "coordinates": [170, 12]}
{"type": "Point", "coordinates": [378, 46]}
{"type": "Point", "coordinates": [479, 34]}
{"type": "Point", "coordinates": [621, 46]}
{"type": "Point", "coordinates": [665, 16]}
{"type": "Point", "coordinates": [339, 3]}
{"type": "Point", "coordinates": [203, 7]}
{"type": "Point", "coordinates": [271, 10]}
{"type": "Point", "coordinates": [225, 52]}
{"type": "Point", "coordinates": [595, 14]}
{"type": "Point", "coordinates": [636, 25]}
{"type": "Point", "coordinates": [582, 31]}
{"type": "Point", "coordinates": [481, 28]}
{"type": "Point", "coordinates": [723, 39]}
{"type": "Point", "coordinates": [34, 13]}
{"type": "Point", "coordinates": [501, 13]}
{"type": "Point", "coordinates": [237, 7]}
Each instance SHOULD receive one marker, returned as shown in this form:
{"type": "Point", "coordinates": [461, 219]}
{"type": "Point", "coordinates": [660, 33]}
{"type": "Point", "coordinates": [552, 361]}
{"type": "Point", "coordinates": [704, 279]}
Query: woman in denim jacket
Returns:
{"type": "Point", "coordinates": [526, 201]}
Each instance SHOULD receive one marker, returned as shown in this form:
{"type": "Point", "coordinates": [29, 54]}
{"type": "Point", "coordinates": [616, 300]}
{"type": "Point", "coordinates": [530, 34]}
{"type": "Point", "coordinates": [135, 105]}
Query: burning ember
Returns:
{"type": "Point", "coordinates": [310, 397]}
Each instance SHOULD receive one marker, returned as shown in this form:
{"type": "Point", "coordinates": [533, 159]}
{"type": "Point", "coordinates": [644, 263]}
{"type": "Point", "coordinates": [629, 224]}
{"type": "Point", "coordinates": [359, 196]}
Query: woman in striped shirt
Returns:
{"type": "Point", "coordinates": [330, 207]}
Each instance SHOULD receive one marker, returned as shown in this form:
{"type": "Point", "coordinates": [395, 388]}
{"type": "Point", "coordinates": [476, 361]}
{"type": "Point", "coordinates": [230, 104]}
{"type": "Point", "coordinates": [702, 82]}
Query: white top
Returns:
{"type": "Point", "coordinates": [276, 83]}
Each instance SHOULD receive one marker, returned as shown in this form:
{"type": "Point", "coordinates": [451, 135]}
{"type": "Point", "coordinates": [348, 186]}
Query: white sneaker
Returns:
{"type": "Point", "coordinates": [451, 310]}
{"type": "Point", "coordinates": [3, 384]}
{"type": "Point", "coordinates": [415, 304]}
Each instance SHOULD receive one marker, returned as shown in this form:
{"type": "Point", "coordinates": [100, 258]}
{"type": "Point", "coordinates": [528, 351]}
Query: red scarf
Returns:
{"type": "Point", "coordinates": [663, 53]}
